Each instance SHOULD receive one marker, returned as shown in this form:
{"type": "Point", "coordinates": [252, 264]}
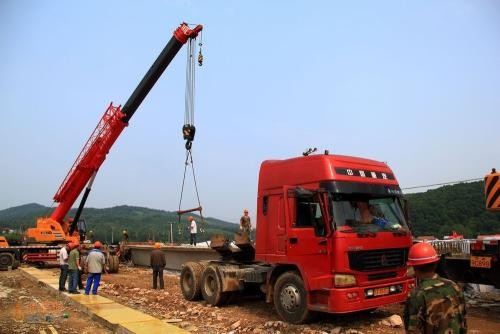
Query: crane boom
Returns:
{"type": "Point", "coordinates": [109, 128]}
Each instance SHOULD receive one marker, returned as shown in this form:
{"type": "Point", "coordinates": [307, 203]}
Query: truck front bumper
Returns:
{"type": "Point", "coordinates": [358, 298]}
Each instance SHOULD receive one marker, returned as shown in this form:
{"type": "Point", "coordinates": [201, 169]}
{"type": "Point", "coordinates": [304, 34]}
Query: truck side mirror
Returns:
{"type": "Point", "coordinates": [406, 212]}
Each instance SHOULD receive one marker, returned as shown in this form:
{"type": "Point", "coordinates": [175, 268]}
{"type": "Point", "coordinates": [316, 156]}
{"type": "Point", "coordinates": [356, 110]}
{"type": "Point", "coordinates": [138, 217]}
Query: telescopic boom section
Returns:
{"type": "Point", "coordinates": [114, 120]}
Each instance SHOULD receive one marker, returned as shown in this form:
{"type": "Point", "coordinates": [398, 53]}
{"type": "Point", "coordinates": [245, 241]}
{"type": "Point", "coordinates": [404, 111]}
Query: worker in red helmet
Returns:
{"type": "Point", "coordinates": [95, 264]}
{"type": "Point", "coordinates": [436, 305]}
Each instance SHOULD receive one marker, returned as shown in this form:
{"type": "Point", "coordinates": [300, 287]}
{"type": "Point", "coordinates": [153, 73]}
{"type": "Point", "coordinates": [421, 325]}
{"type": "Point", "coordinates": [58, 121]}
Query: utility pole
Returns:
{"type": "Point", "coordinates": [171, 234]}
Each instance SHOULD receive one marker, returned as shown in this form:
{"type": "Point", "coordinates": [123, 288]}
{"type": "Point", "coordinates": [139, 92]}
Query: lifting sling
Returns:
{"type": "Point", "coordinates": [189, 130]}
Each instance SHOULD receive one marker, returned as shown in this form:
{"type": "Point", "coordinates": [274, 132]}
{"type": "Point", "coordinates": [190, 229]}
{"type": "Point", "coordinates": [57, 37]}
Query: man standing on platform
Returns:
{"type": "Point", "coordinates": [245, 224]}
{"type": "Point", "coordinates": [193, 230]}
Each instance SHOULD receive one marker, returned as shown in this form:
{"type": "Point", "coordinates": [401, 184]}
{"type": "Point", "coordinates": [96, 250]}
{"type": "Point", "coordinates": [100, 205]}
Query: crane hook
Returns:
{"type": "Point", "coordinates": [200, 59]}
{"type": "Point", "coordinates": [200, 56]}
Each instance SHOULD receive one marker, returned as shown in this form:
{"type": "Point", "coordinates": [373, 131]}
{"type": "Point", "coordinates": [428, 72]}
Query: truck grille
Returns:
{"type": "Point", "coordinates": [376, 277]}
{"type": "Point", "coordinates": [377, 259]}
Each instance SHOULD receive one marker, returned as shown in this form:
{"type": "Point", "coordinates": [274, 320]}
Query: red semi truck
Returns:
{"type": "Point", "coordinates": [331, 236]}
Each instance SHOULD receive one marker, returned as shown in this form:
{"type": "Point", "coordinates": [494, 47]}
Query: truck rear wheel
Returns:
{"type": "Point", "coordinates": [290, 298]}
{"type": "Point", "coordinates": [6, 261]}
{"type": "Point", "coordinates": [190, 282]}
{"type": "Point", "coordinates": [113, 263]}
{"type": "Point", "coordinates": [211, 287]}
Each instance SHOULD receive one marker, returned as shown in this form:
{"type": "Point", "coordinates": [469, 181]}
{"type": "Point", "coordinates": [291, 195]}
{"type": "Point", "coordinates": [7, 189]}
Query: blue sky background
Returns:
{"type": "Point", "coordinates": [412, 83]}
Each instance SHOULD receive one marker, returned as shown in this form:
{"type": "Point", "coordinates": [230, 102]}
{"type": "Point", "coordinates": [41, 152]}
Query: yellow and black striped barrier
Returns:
{"type": "Point", "coordinates": [492, 190]}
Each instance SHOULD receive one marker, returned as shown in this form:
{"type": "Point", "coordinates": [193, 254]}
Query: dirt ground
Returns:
{"type": "Point", "coordinates": [26, 307]}
{"type": "Point", "coordinates": [247, 314]}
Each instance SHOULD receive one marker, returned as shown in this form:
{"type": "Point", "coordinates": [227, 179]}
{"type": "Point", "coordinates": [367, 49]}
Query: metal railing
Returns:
{"type": "Point", "coordinates": [453, 247]}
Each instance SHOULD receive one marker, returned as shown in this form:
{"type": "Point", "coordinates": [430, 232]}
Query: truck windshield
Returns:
{"type": "Point", "coordinates": [361, 213]}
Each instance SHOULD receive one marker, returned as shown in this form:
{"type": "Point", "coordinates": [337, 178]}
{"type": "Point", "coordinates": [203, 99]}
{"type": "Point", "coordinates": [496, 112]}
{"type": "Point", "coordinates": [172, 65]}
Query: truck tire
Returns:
{"type": "Point", "coordinates": [6, 261]}
{"type": "Point", "coordinates": [211, 287]}
{"type": "Point", "coordinates": [113, 263]}
{"type": "Point", "coordinates": [290, 298]}
{"type": "Point", "coordinates": [191, 275]}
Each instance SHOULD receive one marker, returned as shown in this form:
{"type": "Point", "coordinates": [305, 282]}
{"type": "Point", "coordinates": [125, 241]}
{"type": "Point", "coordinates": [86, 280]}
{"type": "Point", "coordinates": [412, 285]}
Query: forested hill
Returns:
{"type": "Point", "coordinates": [107, 224]}
{"type": "Point", "coordinates": [435, 212]}
{"type": "Point", "coordinates": [459, 207]}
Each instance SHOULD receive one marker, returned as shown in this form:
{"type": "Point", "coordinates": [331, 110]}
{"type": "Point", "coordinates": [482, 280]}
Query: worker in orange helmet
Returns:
{"type": "Point", "coordinates": [436, 305]}
{"type": "Point", "coordinates": [192, 230]}
{"type": "Point", "coordinates": [96, 264]}
{"type": "Point", "coordinates": [74, 267]}
{"type": "Point", "coordinates": [157, 262]}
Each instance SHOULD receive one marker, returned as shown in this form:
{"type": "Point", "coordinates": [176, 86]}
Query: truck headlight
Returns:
{"type": "Point", "coordinates": [343, 280]}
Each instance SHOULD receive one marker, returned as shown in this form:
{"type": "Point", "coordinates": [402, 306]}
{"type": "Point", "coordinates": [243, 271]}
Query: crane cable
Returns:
{"type": "Point", "coordinates": [443, 183]}
{"type": "Point", "coordinates": [189, 129]}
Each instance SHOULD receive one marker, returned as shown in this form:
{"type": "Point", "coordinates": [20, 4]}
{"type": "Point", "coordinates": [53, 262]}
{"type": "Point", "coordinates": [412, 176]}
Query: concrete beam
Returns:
{"type": "Point", "coordinates": [175, 256]}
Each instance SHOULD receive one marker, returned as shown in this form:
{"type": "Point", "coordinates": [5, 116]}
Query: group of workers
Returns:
{"type": "Point", "coordinates": [436, 305]}
{"type": "Point", "coordinates": [73, 265]}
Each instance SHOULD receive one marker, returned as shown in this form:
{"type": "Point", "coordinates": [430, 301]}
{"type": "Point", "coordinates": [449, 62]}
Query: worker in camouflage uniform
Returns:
{"type": "Point", "coordinates": [245, 224]}
{"type": "Point", "coordinates": [436, 305]}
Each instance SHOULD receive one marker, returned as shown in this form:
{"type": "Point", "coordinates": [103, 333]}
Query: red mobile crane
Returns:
{"type": "Point", "coordinates": [55, 229]}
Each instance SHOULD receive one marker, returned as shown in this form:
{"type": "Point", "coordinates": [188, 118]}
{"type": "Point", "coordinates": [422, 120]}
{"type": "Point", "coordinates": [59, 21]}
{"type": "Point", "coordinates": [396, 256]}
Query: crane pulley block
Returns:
{"type": "Point", "coordinates": [188, 132]}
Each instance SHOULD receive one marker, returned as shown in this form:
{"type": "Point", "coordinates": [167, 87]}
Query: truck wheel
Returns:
{"type": "Point", "coordinates": [191, 275]}
{"type": "Point", "coordinates": [290, 298]}
{"type": "Point", "coordinates": [113, 263]}
{"type": "Point", "coordinates": [6, 260]}
{"type": "Point", "coordinates": [211, 287]}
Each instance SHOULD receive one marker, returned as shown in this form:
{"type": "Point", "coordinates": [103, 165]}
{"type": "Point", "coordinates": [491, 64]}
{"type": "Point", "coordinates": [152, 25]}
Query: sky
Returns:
{"type": "Point", "coordinates": [411, 83]}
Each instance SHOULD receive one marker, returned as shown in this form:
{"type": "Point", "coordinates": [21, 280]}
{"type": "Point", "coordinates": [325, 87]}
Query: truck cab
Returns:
{"type": "Point", "coordinates": [336, 226]}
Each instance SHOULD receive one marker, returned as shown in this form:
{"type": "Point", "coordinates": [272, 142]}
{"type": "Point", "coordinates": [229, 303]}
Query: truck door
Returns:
{"type": "Point", "coordinates": [307, 231]}
{"type": "Point", "coordinates": [273, 226]}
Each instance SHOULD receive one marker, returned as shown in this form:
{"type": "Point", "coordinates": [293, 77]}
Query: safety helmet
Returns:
{"type": "Point", "coordinates": [422, 253]}
{"type": "Point", "coordinates": [190, 218]}
{"type": "Point", "coordinates": [157, 245]}
{"type": "Point", "coordinates": [97, 244]}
